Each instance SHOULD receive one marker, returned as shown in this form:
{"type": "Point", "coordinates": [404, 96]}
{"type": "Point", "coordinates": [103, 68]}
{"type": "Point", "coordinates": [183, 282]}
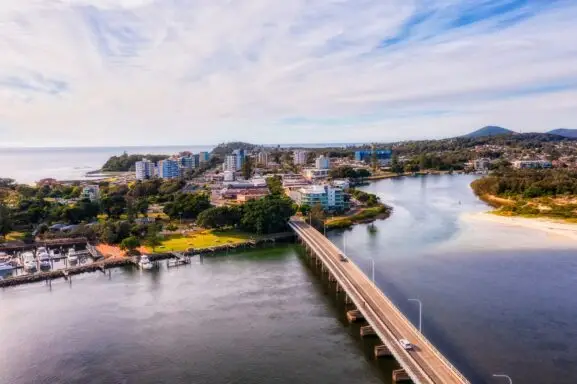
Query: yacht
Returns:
{"type": "Point", "coordinates": [72, 256]}
{"type": "Point", "coordinates": [43, 258]}
{"type": "Point", "coordinates": [145, 262]}
{"type": "Point", "coordinates": [29, 262]}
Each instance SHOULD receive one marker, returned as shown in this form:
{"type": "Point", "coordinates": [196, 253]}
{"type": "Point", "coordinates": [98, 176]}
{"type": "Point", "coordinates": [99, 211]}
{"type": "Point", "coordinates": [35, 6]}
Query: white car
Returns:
{"type": "Point", "coordinates": [406, 344]}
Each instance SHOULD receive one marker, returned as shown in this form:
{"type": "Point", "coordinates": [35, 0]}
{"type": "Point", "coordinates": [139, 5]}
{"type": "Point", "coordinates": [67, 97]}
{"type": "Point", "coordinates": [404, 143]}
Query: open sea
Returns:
{"type": "Point", "coordinates": [27, 165]}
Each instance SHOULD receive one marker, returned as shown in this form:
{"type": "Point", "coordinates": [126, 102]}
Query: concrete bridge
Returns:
{"type": "Point", "coordinates": [424, 364]}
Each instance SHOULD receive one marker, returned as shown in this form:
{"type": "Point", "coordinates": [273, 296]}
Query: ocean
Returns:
{"type": "Point", "coordinates": [28, 165]}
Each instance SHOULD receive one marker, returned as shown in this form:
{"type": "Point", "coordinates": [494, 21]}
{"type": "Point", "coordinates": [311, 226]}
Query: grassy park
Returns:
{"type": "Point", "coordinates": [204, 239]}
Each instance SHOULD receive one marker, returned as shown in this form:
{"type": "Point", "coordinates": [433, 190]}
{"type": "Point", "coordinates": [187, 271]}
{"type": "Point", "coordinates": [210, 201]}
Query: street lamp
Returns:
{"type": "Point", "coordinates": [504, 377]}
{"type": "Point", "coordinates": [373, 269]}
{"type": "Point", "coordinates": [420, 314]}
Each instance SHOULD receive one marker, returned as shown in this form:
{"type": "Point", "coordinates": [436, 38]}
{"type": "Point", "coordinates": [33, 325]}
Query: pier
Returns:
{"type": "Point", "coordinates": [423, 364]}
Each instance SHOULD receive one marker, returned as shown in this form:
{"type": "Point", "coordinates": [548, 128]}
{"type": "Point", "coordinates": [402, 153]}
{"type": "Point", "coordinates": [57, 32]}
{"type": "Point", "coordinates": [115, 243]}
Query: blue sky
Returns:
{"type": "Point", "coordinates": [144, 72]}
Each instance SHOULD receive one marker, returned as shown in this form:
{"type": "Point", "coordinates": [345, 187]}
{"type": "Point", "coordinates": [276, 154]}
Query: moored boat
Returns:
{"type": "Point", "coordinates": [145, 263]}
{"type": "Point", "coordinates": [28, 262]}
{"type": "Point", "coordinates": [72, 256]}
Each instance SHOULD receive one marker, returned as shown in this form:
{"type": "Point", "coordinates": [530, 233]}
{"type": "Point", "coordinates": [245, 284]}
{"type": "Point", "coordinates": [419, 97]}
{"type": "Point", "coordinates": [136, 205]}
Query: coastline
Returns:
{"type": "Point", "coordinates": [552, 226]}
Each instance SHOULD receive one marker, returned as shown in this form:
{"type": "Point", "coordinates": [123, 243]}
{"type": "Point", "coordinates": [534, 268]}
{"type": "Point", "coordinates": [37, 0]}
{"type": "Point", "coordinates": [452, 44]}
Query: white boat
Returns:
{"type": "Point", "coordinates": [29, 263]}
{"type": "Point", "coordinates": [72, 256]}
{"type": "Point", "coordinates": [44, 259]}
{"type": "Point", "coordinates": [145, 262]}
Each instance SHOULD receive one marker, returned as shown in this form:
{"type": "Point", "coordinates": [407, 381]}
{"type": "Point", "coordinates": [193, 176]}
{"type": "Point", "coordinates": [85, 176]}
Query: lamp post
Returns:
{"type": "Point", "coordinates": [373, 270]}
{"type": "Point", "coordinates": [420, 314]}
{"type": "Point", "coordinates": [504, 377]}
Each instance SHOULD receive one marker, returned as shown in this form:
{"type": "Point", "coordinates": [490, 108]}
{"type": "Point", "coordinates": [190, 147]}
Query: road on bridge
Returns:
{"type": "Point", "coordinates": [425, 363]}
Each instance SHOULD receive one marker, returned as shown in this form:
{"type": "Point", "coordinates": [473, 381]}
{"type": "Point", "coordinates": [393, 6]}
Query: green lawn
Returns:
{"type": "Point", "coordinates": [203, 239]}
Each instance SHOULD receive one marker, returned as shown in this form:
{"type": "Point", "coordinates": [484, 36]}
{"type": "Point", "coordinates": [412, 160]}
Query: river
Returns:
{"type": "Point", "coordinates": [496, 299]}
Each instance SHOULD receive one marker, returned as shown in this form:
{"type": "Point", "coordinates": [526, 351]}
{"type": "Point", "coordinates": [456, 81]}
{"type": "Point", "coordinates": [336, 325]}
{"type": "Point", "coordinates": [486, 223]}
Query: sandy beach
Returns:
{"type": "Point", "coordinates": [547, 225]}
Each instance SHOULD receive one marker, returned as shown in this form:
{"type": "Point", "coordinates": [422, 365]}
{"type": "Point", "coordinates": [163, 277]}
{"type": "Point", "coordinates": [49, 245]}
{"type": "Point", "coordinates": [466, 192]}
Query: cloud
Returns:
{"type": "Point", "coordinates": [104, 72]}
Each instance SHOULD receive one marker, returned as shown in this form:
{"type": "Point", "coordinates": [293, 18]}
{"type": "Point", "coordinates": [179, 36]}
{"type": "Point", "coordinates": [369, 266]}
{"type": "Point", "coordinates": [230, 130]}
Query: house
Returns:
{"type": "Point", "coordinates": [523, 164]}
{"type": "Point", "coordinates": [91, 192]}
{"type": "Point", "coordinates": [315, 174]}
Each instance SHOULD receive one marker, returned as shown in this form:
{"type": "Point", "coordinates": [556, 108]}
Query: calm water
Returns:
{"type": "Point", "coordinates": [258, 317]}
{"type": "Point", "coordinates": [496, 299]}
{"type": "Point", "coordinates": [27, 165]}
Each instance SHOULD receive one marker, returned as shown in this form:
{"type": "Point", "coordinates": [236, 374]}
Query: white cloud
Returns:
{"type": "Point", "coordinates": [104, 72]}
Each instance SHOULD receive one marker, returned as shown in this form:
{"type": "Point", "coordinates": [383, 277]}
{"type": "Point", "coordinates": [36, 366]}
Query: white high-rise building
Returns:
{"type": "Point", "coordinates": [144, 169]}
{"type": "Point", "coordinates": [322, 162]}
{"type": "Point", "coordinates": [230, 163]}
{"type": "Point", "coordinates": [300, 157]}
{"type": "Point", "coordinates": [262, 158]}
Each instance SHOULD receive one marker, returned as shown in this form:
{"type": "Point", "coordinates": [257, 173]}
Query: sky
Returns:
{"type": "Point", "coordinates": [162, 72]}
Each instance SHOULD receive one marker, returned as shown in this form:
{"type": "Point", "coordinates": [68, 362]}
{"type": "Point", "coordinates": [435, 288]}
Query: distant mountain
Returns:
{"type": "Point", "coordinates": [565, 132]}
{"type": "Point", "coordinates": [490, 130]}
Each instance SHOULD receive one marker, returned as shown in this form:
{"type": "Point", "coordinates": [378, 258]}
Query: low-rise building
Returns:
{"type": "Point", "coordinates": [315, 174]}
{"type": "Point", "coordinates": [522, 164]}
{"type": "Point", "coordinates": [91, 192]}
{"type": "Point", "coordinates": [481, 164]}
{"type": "Point", "coordinates": [383, 156]}
{"type": "Point", "coordinates": [262, 158]}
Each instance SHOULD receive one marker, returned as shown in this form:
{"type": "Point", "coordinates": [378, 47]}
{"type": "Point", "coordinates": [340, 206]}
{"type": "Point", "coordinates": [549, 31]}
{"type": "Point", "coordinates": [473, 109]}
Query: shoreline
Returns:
{"type": "Point", "coordinates": [551, 226]}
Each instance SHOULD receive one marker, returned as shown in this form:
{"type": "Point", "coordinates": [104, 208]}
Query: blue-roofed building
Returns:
{"type": "Point", "coordinates": [384, 156]}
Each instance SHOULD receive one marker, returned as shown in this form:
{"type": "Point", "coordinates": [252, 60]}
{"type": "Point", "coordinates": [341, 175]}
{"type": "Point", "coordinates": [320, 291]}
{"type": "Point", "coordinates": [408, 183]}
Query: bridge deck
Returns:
{"type": "Point", "coordinates": [425, 364]}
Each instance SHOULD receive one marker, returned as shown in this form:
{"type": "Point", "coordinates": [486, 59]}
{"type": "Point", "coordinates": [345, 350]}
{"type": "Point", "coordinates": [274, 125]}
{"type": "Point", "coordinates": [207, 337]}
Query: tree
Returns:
{"type": "Point", "coordinates": [317, 216]}
{"type": "Point", "coordinates": [152, 239]}
{"type": "Point", "coordinates": [267, 215]}
{"type": "Point", "coordinates": [395, 165]}
{"type": "Point", "coordinates": [130, 243]}
{"type": "Point", "coordinates": [274, 185]}
{"type": "Point", "coordinates": [219, 217]}
{"type": "Point", "coordinates": [5, 221]}
{"type": "Point", "coordinates": [305, 209]}
{"type": "Point", "coordinates": [247, 167]}
{"type": "Point", "coordinates": [113, 205]}
{"type": "Point", "coordinates": [187, 205]}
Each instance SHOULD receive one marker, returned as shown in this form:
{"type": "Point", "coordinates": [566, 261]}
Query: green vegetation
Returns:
{"type": "Point", "coordinates": [346, 172]}
{"type": "Point", "coordinates": [204, 239]}
{"type": "Point", "coordinates": [531, 192]}
{"type": "Point", "coordinates": [125, 162]}
{"type": "Point", "coordinates": [224, 149]}
{"type": "Point", "coordinates": [187, 205]}
{"type": "Point", "coordinates": [274, 185]}
{"type": "Point", "coordinates": [368, 199]}
{"type": "Point", "coordinates": [363, 216]}
{"type": "Point", "coordinates": [220, 217]}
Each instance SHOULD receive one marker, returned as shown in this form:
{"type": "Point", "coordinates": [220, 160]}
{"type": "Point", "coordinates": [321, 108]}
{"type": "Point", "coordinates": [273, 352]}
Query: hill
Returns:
{"type": "Point", "coordinates": [490, 130]}
{"type": "Point", "coordinates": [565, 132]}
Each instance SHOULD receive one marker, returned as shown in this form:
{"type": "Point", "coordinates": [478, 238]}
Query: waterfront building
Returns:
{"type": "Point", "coordinates": [169, 169]}
{"type": "Point", "coordinates": [342, 183]}
{"type": "Point", "coordinates": [240, 158]}
{"type": "Point", "coordinates": [532, 164]}
{"type": "Point", "coordinates": [315, 174]}
{"type": "Point", "coordinates": [384, 156]}
{"type": "Point", "coordinates": [300, 157]}
{"type": "Point", "coordinates": [203, 157]}
{"type": "Point", "coordinates": [230, 163]}
{"type": "Point", "coordinates": [481, 164]}
{"type": "Point", "coordinates": [330, 198]}
{"type": "Point", "coordinates": [91, 192]}
{"type": "Point", "coordinates": [322, 162]}
{"type": "Point", "coordinates": [144, 169]}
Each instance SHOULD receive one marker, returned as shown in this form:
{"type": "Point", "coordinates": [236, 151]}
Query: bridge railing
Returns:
{"type": "Point", "coordinates": [353, 295]}
{"type": "Point", "coordinates": [420, 336]}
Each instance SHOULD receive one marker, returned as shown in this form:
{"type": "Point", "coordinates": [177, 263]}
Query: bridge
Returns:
{"type": "Point", "coordinates": [424, 364]}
